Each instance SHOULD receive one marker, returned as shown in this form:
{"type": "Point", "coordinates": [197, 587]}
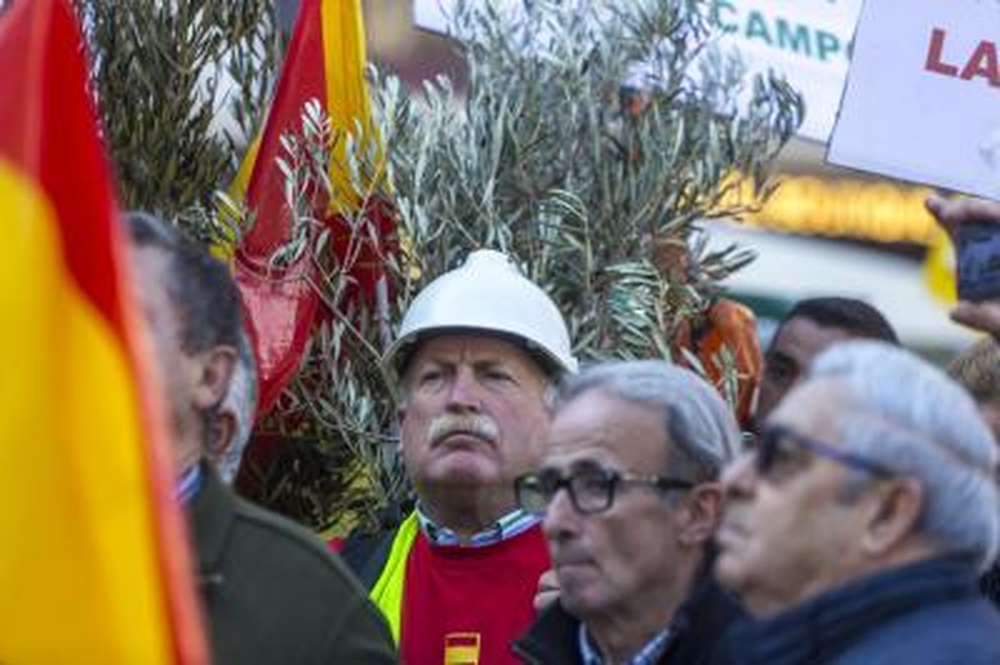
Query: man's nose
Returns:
{"type": "Point", "coordinates": [560, 516]}
{"type": "Point", "coordinates": [464, 392]}
{"type": "Point", "coordinates": [739, 476]}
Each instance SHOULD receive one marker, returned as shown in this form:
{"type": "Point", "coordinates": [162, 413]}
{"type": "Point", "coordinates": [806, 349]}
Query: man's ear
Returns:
{"type": "Point", "coordinates": [214, 375]}
{"type": "Point", "coordinates": [892, 514]}
{"type": "Point", "coordinates": [225, 426]}
{"type": "Point", "coordinates": [700, 514]}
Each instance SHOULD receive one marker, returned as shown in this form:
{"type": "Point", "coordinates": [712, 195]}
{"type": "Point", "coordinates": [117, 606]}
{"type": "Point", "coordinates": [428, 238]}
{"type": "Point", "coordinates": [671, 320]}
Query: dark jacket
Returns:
{"type": "Point", "coordinates": [695, 630]}
{"type": "Point", "coordinates": [928, 613]}
{"type": "Point", "coordinates": [273, 593]}
{"type": "Point", "coordinates": [989, 584]}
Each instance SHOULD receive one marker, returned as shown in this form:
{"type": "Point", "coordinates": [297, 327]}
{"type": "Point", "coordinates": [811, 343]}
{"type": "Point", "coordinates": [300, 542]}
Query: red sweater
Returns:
{"type": "Point", "coordinates": [465, 605]}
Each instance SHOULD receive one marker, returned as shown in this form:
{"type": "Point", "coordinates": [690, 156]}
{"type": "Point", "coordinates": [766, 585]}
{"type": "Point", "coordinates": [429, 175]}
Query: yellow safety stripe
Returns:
{"type": "Point", "coordinates": [387, 593]}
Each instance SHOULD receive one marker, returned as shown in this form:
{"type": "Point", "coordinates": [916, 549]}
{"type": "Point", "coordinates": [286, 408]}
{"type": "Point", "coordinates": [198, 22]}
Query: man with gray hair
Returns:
{"type": "Point", "coordinates": [630, 496]}
{"type": "Point", "coordinates": [270, 591]}
{"type": "Point", "coordinates": [477, 353]}
{"type": "Point", "coordinates": [855, 531]}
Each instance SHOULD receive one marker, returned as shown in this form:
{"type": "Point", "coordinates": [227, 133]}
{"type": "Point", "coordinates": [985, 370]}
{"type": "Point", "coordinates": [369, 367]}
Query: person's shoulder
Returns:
{"type": "Point", "coordinates": [301, 594]}
{"type": "Point", "coordinates": [963, 631]}
{"type": "Point", "coordinates": [297, 544]}
{"type": "Point", "coordinates": [551, 638]}
{"type": "Point", "coordinates": [252, 516]}
{"type": "Point", "coordinates": [359, 547]}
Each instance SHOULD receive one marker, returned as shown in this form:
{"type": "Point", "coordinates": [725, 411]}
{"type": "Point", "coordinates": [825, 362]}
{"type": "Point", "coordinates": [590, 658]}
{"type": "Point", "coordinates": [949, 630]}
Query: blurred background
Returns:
{"type": "Point", "coordinates": [827, 230]}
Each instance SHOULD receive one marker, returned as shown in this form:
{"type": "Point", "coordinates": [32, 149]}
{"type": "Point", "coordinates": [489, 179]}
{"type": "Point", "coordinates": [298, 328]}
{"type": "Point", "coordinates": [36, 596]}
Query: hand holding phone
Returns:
{"type": "Point", "coordinates": [977, 270]}
{"type": "Point", "coordinates": [979, 261]}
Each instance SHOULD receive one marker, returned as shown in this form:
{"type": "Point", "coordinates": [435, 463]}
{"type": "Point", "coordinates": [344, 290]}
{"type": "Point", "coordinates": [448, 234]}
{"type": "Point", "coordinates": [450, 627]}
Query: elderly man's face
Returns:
{"type": "Point", "coordinates": [620, 560]}
{"type": "Point", "coordinates": [790, 532]}
{"type": "Point", "coordinates": [474, 413]}
{"type": "Point", "coordinates": [796, 343]}
{"type": "Point", "coordinates": [178, 371]}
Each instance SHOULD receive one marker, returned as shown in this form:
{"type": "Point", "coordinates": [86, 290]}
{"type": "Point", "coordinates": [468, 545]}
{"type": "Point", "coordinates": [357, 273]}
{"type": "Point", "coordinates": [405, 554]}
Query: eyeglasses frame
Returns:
{"type": "Point", "coordinates": [772, 435]}
{"type": "Point", "coordinates": [613, 477]}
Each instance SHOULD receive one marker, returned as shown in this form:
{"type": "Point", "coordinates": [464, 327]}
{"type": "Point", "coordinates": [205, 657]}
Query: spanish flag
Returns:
{"type": "Point", "coordinates": [325, 62]}
{"type": "Point", "coordinates": [93, 563]}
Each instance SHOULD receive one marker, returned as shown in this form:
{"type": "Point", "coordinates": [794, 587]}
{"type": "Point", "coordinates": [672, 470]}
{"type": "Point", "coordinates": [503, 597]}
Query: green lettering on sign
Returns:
{"type": "Point", "coordinates": [827, 44]}
{"type": "Point", "coordinates": [794, 38]}
{"type": "Point", "coordinates": [757, 28]}
{"type": "Point", "coordinates": [718, 7]}
{"type": "Point", "coordinates": [784, 34]}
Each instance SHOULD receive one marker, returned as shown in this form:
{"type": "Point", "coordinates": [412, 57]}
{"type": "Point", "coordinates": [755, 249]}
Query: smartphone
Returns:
{"type": "Point", "coordinates": [979, 261]}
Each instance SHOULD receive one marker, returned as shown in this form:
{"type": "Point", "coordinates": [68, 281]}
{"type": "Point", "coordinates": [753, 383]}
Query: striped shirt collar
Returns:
{"type": "Point", "coordinates": [508, 526]}
{"type": "Point", "coordinates": [188, 485]}
{"type": "Point", "coordinates": [647, 655]}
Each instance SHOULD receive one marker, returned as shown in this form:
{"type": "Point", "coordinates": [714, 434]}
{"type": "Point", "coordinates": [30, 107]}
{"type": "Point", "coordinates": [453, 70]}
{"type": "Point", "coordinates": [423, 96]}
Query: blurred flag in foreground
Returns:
{"type": "Point", "coordinates": [93, 564]}
{"type": "Point", "coordinates": [325, 62]}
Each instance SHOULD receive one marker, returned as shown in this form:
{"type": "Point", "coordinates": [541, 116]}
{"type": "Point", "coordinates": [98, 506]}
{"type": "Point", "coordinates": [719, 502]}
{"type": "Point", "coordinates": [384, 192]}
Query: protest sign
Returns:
{"type": "Point", "coordinates": [922, 100]}
{"type": "Point", "coordinates": [807, 41]}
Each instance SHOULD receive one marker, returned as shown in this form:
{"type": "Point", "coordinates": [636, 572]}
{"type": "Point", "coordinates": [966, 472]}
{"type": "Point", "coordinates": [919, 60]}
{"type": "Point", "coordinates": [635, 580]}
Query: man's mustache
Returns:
{"type": "Point", "coordinates": [479, 425]}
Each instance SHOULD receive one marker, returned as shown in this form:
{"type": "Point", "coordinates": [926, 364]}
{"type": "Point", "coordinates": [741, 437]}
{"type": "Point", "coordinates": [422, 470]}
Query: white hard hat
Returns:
{"type": "Point", "coordinates": [488, 293]}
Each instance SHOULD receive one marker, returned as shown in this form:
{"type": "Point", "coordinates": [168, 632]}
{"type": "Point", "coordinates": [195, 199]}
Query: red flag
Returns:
{"type": "Point", "coordinates": [325, 61]}
{"type": "Point", "coordinates": [93, 566]}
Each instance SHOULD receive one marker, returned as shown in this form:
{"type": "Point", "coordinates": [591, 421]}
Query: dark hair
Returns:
{"type": "Point", "coordinates": [855, 316]}
{"type": "Point", "coordinates": [200, 286]}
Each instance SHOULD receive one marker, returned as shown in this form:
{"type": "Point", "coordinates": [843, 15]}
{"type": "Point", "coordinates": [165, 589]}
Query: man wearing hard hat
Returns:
{"type": "Point", "coordinates": [478, 354]}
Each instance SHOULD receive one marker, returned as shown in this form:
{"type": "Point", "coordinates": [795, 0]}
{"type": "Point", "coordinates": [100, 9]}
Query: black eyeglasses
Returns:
{"type": "Point", "coordinates": [773, 454]}
{"type": "Point", "coordinates": [591, 490]}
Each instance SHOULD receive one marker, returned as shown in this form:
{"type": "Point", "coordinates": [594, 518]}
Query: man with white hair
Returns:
{"type": "Point", "coordinates": [477, 355]}
{"type": "Point", "coordinates": [630, 496]}
{"type": "Point", "coordinates": [855, 531]}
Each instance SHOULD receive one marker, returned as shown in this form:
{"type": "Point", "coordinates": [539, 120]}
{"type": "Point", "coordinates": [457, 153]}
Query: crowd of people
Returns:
{"type": "Point", "coordinates": [613, 513]}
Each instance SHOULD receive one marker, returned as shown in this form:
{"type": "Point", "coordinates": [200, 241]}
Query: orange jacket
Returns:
{"type": "Point", "coordinates": [732, 326]}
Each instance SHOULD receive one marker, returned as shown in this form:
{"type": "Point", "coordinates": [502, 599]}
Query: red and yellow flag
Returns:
{"type": "Point", "coordinates": [325, 61]}
{"type": "Point", "coordinates": [93, 563]}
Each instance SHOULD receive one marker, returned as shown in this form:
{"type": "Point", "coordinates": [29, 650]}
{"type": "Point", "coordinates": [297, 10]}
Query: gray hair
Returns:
{"type": "Point", "coordinates": [911, 418]}
{"type": "Point", "coordinates": [241, 400]}
{"type": "Point", "coordinates": [700, 425]}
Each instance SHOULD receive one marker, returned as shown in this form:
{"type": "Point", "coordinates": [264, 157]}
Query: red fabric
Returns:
{"type": "Point", "coordinates": [302, 78]}
{"type": "Point", "coordinates": [46, 121]}
{"type": "Point", "coordinates": [281, 306]}
{"type": "Point", "coordinates": [50, 132]}
{"type": "Point", "coordinates": [476, 598]}
{"type": "Point", "coordinates": [363, 252]}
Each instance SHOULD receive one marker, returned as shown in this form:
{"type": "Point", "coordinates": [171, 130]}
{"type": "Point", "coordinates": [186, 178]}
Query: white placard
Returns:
{"type": "Point", "coordinates": [808, 41]}
{"type": "Point", "coordinates": [922, 101]}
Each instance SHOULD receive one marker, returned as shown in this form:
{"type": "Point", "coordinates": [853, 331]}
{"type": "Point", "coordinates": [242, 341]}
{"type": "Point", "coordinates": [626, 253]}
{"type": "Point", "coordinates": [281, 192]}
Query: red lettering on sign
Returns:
{"type": "Point", "coordinates": [983, 63]}
{"type": "Point", "coordinates": [934, 63]}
